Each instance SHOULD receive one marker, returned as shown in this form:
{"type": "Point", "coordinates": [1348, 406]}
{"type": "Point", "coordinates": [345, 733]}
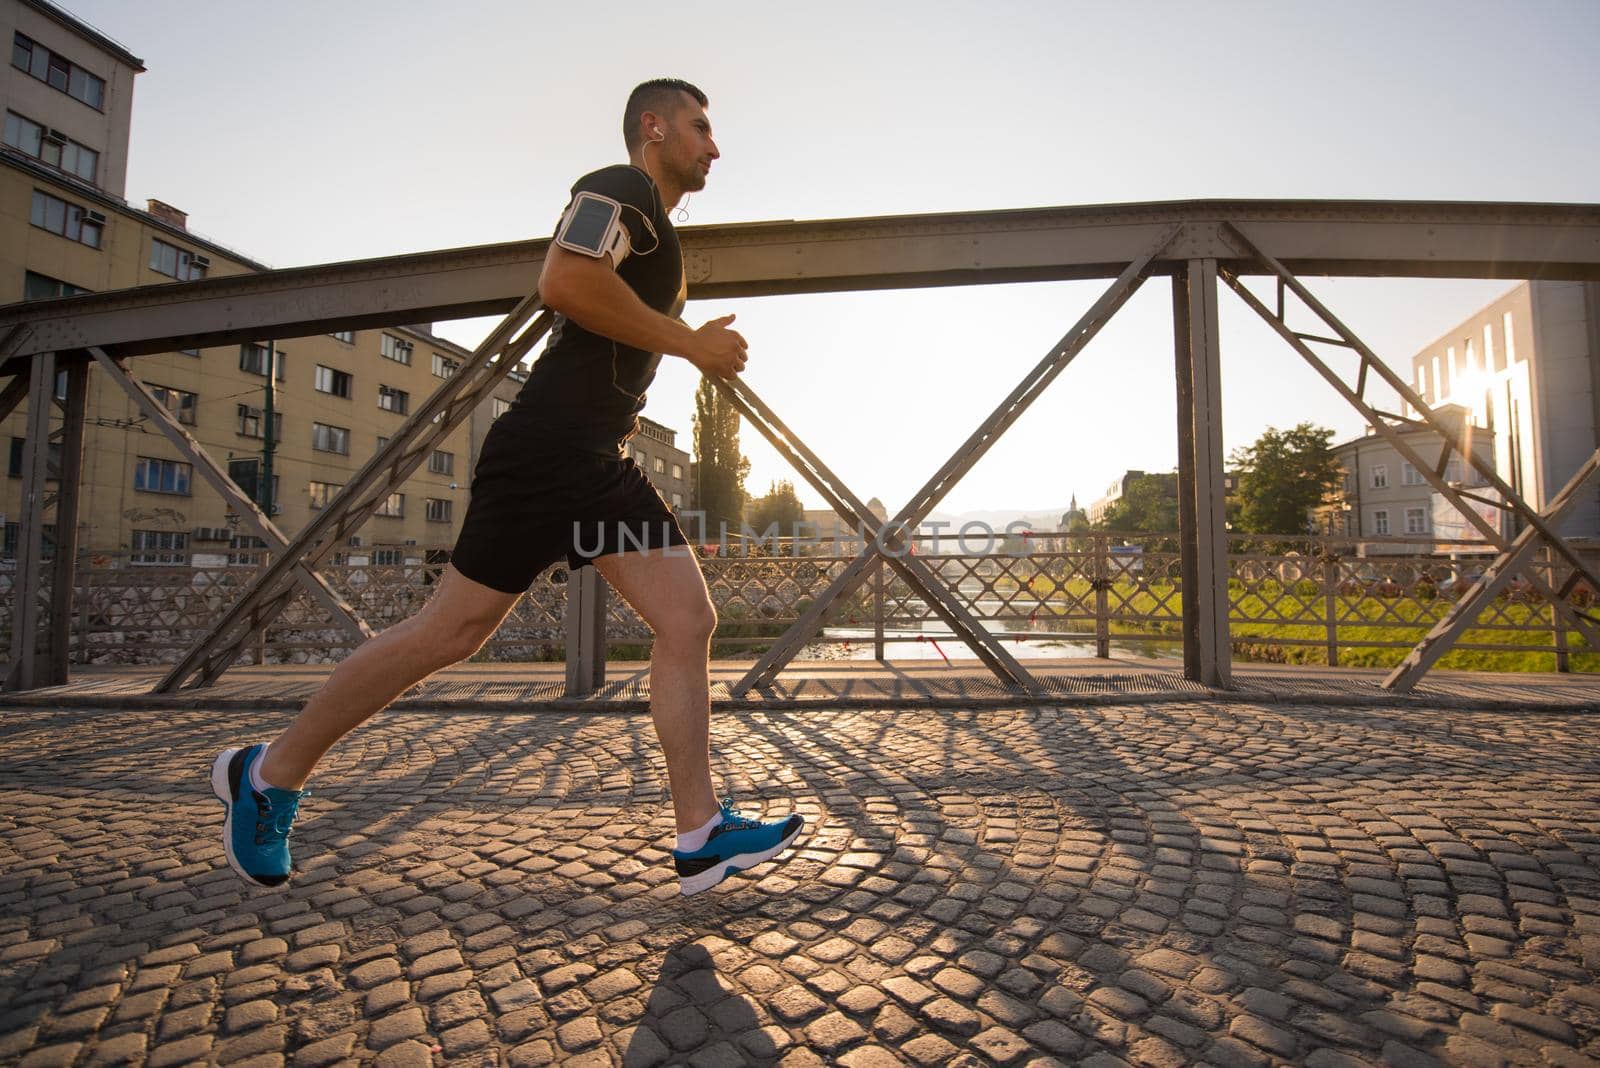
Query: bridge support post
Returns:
{"type": "Point", "coordinates": [1202, 516]}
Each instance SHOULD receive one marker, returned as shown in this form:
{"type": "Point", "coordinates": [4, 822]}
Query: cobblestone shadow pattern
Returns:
{"type": "Point", "coordinates": [1155, 885]}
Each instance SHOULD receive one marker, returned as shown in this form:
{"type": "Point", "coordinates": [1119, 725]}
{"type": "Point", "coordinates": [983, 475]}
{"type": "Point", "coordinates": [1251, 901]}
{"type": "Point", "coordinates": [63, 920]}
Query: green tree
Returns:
{"type": "Point", "coordinates": [778, 509]}
{"type": "Point", "coordinates": [1149, 503]}
{"type": "Point", "coordinates": [1283, 476]}
{"type": "Point", "coordinates": [720, 466]}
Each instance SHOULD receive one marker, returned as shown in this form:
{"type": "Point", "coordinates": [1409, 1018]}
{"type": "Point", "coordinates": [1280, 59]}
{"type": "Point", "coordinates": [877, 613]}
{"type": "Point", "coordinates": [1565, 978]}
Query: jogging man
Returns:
{"type": "Point", "coordinates": [552, 483]}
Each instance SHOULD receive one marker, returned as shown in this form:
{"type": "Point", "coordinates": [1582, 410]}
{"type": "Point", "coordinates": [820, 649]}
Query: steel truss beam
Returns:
{"type": "Point", "coordinates": [325, 596]}
{"type": "Point", "coordinates": [23, 672]}
{"type": "Point", "coordinates": [1488, 585]}
{"type": "Point", "coordinates": [63, 577]}
{"type": "Point", "coordinates": [1454, 437]}
{"type": "Point", "coordinates": [275, 585]}
{"type": "Point", "coordinates": [1327, 237]}
{"type": "Point", "coordinates": [959, 463]}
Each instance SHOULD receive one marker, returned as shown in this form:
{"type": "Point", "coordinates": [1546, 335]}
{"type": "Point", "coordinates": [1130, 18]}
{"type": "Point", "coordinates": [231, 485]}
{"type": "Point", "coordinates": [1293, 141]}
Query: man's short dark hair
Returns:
{"type": "Point", "coordinates": [658, 95]}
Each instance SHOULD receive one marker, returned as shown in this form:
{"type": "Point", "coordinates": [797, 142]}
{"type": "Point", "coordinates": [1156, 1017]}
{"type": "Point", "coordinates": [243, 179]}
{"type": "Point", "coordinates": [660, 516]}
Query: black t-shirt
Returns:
{"type": "Point", "coordinates": [586, 390]}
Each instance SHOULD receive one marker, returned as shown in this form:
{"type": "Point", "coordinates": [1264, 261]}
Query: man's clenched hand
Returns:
{"type": "Point", "coordinates": [718, 350]}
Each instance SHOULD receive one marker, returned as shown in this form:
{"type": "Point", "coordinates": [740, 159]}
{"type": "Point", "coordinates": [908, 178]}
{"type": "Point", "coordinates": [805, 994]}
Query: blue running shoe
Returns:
{"type": "Point", "coordinates": [738, 843]}
{"type": "Point", "coordinates": [257, 827]}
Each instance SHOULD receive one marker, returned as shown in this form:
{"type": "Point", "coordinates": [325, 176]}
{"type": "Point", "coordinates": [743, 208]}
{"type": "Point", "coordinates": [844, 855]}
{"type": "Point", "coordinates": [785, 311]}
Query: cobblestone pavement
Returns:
{"type": "Point", "coordinates": [1153, 885]}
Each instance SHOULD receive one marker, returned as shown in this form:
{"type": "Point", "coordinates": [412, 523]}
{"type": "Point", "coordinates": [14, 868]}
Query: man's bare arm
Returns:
{"type": "Point", "coordinates": [590, 293]}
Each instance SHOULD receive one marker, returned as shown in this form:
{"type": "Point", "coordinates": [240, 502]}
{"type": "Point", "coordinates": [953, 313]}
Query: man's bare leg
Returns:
{"type": "Point", "coordinates": [459, 617]}
{"type": "Point", "coordinates": [666, 588]}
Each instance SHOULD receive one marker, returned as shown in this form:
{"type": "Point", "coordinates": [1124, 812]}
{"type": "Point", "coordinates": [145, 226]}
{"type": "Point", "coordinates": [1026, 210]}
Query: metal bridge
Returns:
{"type": "Point", "coordinates": [1196, 244]}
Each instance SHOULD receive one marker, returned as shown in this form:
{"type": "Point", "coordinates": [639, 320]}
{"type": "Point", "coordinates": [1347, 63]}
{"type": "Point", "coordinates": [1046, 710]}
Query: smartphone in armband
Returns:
{"type": "Point", "coordinates": [593, 226]}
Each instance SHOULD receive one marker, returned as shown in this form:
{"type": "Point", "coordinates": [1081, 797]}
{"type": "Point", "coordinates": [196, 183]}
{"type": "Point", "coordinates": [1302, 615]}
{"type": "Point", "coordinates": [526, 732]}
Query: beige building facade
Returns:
{"type": "Point", "coordinates": [68, 93]}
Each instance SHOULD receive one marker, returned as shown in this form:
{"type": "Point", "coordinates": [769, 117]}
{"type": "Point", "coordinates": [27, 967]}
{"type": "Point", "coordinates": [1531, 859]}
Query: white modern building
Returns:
{"type": "Point", "coordinates": [1525, 368]}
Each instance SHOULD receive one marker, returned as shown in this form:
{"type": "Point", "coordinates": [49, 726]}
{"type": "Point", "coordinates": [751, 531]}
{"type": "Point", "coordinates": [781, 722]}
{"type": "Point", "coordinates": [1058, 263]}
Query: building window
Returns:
{"type": "Point", "coordinates": [159, 547]}
{"type": "Point", "coordinates": [69, 220]}
{"type": "Point", "coordinates": [500, 407]}
{"type": "Point", "coordinates": [244, 550]}
{"type": "Point", "coordinates": [1416, 521]}
{"type": "Point", "coordinates": [1452, 471]}
{"type": "Point", "coordinates": [253, 360]}
{"type": "Point", "coordinates": [677, 471]}
{"type": "Point", "coordinates": [441, 462]}
{"type": "Point", "coordinates": [1409, 476]}
{"type": "Point", "coordinates": [57, 71]}
{"type": "Point", "coordinates": [1488, 348]}
{"type": "Point", "coordinates": [1349, 483]}
{"type": "Point", "coordinates": [1511, 341]}
{"type": "Point", "coordinates": [677, 500]}
{"type": "Point", "coordinates": [43, 287]}
{"type": "Point", "coordinates": [660, 466]}
{"type": "Point", "coordinates": [52, 460]}
{"type": "Point", "coordinates": [393, 506]}
{"type": "Point", "coordinates": [438, 509]}
{"type": "Point", "coordinates": [382, 441]}
{"type": "Point", "coordinates": [334, 382]}
{"type": "Point", "coordinates": [388, 557]}
{"type": "Point", "coordinates": [13, 533]}
{"type": "Point", "coordinates": [1380, 521]}
{"type": "Point", "coordinates": [347, 336]}
{"type": "Point", "coordinates": [444, 367]}
{"type": "Point", "coordinates": [326, 438]}
{"type": "Point", "coordinates": [51, 147]}
{"type": "Point", "coordinates": [180, 403]}
{"type": "Point", "coordinates": [394, 400]}
{"type": "Point", "coordinates": [162, 476]}
{"type": "Point", "coordinates": [250, 423]}
{"type": "Point", "coordinates": [1422, 380]}
{"type": "Point", "coordinates": [396, 349]}
{"type": "Point", "coordinates": [175, 262]}
{"type": "Point", "coordinates": [321, 493]}
{"type": "Point", "coordinates": [1380, 476]}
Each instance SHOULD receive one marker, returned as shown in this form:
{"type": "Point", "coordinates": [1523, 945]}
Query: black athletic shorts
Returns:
{"type": "Point", "coordinates": [534, 502]}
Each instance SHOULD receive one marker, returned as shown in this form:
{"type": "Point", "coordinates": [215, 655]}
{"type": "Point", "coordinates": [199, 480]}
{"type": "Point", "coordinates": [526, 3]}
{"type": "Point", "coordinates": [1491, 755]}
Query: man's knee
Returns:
{"type": "Point", "coordinates": [693, 622]}
{"type": "Point", "coordinates": [454, 641]}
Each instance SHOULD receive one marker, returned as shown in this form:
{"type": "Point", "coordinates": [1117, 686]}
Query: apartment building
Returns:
{"type": "Point", "coordinates": [1382, 495]}
{"type": "Point", "coordinates": [68, 94]}
{"type": "Point", "coordinates": [65, 229]}
{"type": "Point", "coordinates": [1525, 368]}
{"type": "Point", "coordinates": [655, 449]}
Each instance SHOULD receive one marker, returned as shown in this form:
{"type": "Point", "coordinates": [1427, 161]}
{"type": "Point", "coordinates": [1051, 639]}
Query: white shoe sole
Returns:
{"type": "Point", "coordinates": [219, 786]}
{"type": "Point", "coordinates": [689, 885]}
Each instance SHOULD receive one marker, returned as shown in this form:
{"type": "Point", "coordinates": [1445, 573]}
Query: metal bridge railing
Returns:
{"type": "Point", "coordinates": [1296, 600]}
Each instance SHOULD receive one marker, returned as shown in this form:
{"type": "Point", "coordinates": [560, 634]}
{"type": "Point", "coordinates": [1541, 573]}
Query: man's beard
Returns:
{"type": "Point", "coordinates": [692, 178]}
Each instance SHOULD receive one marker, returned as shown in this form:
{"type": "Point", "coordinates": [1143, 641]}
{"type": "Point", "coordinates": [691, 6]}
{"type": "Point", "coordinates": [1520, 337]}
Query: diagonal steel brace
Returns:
{"type": "Point", "coordinates": [274, 587]}
{"type": "Point", "coordinates": [939, 597]}
{"type": "Point", "coordinates": [314, 584]}
{"type": "Point", "coordinates": [1495, 578]}
{"type": "Point", "coordinates": [959, 463]}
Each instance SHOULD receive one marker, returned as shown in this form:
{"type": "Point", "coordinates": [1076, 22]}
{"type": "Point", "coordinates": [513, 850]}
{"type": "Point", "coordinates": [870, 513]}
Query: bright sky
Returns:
{"type": "Point", "coordinates": [313, 132]}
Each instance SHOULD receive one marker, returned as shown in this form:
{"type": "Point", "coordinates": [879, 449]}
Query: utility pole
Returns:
{"type": "Point", "coordinates": [269, 441]}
